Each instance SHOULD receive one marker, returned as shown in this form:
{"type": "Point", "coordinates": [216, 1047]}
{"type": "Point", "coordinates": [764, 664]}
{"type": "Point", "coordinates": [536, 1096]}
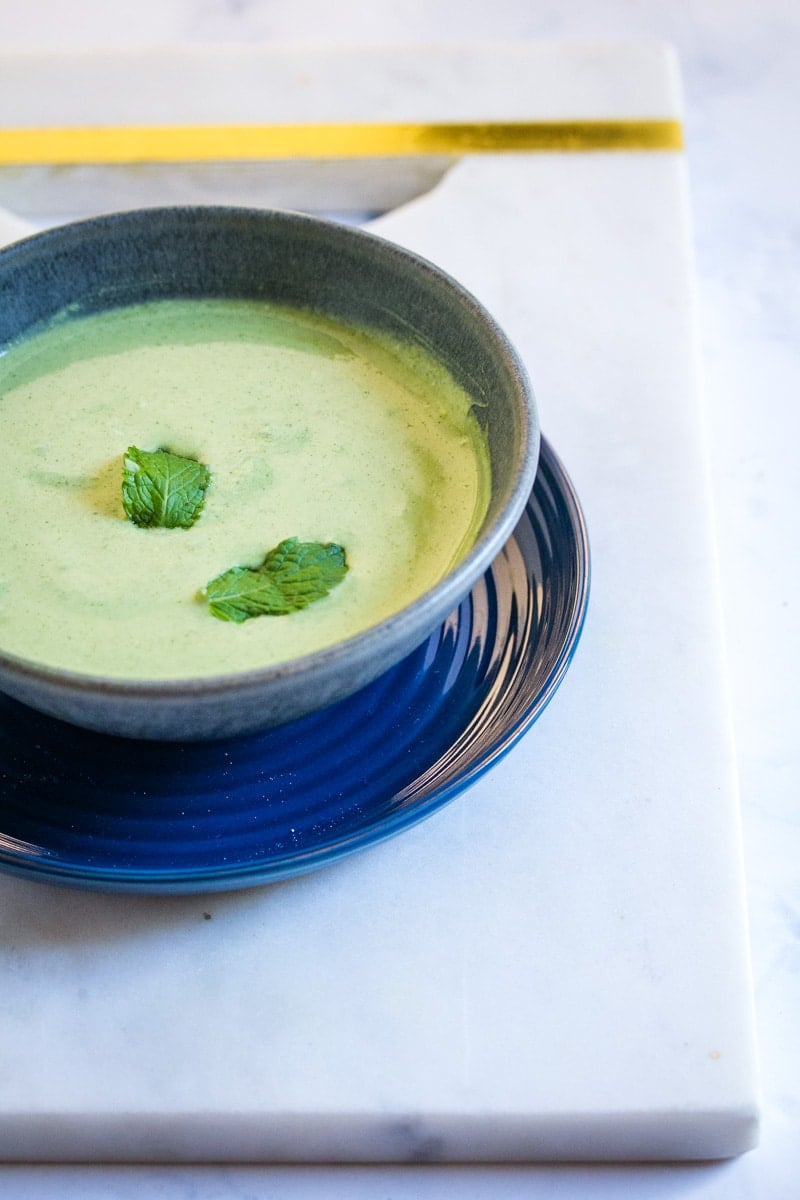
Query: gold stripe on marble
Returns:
{"type": "Point", "coordinates": [128, 144]}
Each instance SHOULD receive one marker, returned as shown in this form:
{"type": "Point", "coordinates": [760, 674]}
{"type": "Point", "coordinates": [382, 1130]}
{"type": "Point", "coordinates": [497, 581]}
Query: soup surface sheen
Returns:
{"type": "Point", "coordinates": [311, 429]}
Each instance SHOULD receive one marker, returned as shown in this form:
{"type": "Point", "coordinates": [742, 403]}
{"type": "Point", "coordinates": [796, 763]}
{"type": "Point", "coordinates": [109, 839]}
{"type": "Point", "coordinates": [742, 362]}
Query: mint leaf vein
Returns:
{"type": "Point", "coordinates": [291, 577]}
{"type": "Point", "coordinates": [163, 489]}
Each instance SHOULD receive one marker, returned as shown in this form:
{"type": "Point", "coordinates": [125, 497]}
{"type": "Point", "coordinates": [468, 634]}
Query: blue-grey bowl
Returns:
{"type": "Point", "coordinates": [133, 257]}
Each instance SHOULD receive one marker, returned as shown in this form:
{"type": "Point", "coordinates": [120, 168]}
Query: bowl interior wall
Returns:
{"type": "Point", "coordinates": [132, 258]}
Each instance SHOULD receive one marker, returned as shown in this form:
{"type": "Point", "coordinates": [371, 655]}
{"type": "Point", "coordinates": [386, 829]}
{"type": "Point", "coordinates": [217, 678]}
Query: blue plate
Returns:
{"type": "Point", "coordinates": [102, 812]}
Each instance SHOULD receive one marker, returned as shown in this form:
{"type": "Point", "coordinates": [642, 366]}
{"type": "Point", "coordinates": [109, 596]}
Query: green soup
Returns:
{"type": "Point", "coordinates": [311, 429]}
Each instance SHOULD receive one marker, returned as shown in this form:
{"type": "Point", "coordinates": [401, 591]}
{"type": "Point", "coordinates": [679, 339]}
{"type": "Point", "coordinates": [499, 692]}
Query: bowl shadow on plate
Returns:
{"type": "Point", "coordinates": [99, 811]}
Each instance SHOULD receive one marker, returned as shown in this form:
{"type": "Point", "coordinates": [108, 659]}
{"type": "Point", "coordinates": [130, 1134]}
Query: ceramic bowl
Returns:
{"type": "Point", "coordinates": [356, 277]}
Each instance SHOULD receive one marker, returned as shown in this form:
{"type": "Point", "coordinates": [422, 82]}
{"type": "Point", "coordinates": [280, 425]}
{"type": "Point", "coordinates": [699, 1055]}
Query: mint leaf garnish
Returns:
{"type": "Point", "coordinates": [291, 577]}
{"type": "Point", "coordinates": [163, 489]}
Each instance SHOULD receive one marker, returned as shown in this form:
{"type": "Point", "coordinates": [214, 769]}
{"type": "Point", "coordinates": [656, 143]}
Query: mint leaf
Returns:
{"type": "Point", "coordinates": [163, 489]}
{"type": "Point", "coordinates": [291, 577]}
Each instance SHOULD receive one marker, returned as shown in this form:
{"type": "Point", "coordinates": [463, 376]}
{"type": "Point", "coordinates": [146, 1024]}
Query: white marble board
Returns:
{"type": "Point", "coordinates": [555, 966]}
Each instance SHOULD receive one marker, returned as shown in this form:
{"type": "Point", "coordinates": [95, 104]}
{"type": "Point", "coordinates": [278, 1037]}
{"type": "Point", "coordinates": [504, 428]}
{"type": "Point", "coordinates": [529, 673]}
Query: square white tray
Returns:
{"type": "Point", "coordinates": [555, 966]}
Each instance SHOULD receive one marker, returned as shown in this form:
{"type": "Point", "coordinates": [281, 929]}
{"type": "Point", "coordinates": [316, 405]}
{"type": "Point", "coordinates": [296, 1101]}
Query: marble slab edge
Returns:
{"type": "Point", "coordinates": [365, 1138]}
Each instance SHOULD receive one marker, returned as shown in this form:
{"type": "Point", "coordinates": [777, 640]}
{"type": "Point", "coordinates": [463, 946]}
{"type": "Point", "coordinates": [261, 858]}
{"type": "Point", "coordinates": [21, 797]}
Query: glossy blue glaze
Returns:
{"type": "Point", "coordinates": [116, 814]}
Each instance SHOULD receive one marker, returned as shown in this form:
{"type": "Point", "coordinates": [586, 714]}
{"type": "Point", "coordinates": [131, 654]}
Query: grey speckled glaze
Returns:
{"type": "Point", "coordinates": [127, 258]}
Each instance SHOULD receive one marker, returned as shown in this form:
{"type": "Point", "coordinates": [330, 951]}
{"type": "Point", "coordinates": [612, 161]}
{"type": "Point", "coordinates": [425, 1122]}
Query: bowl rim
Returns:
{"type": "Point", "coordinates": [360, 647]}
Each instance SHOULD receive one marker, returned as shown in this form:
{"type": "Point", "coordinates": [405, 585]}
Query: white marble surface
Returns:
{"type": "Point", "coordinates": [449, 1018]}
{"type": "Point", "coordinates": [739, 65]}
